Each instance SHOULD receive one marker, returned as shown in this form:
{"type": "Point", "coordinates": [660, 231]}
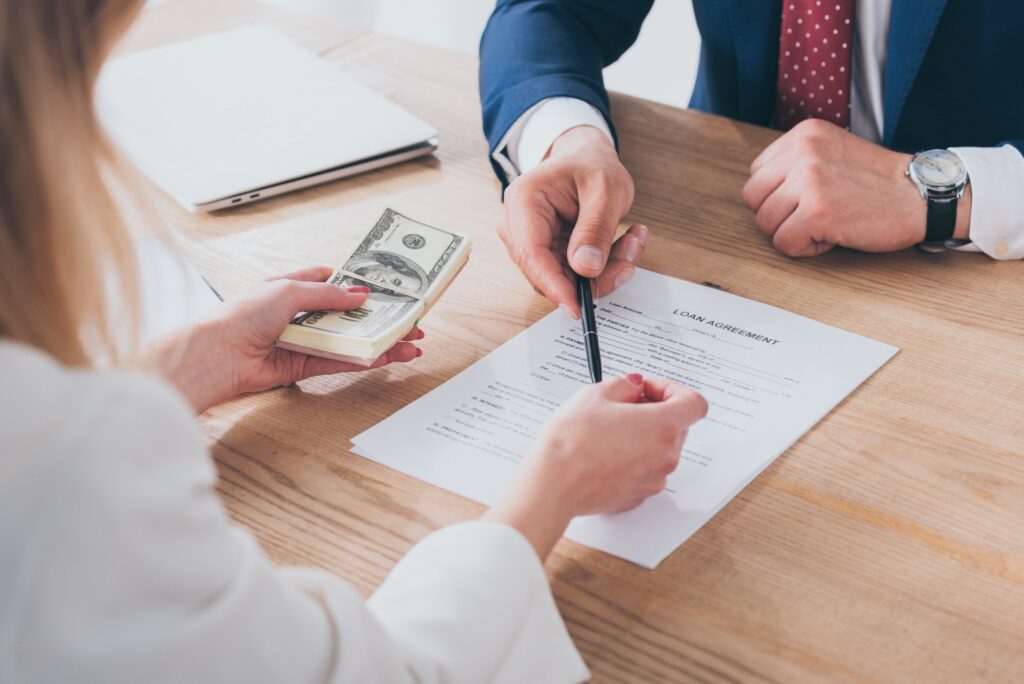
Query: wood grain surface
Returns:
{"type": "Point", "coordinates": [886, 545]}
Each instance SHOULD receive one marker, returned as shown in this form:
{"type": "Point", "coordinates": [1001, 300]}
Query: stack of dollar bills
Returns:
{"type": "Point", "coordinates": [407, 265]}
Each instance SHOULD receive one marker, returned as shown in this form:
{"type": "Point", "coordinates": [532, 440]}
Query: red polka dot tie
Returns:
{"type": "Point", "coordinates": [814, 62]}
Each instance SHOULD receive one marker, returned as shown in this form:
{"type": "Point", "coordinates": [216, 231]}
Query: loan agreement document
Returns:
{"type": "Point", "coordinates": [769, 375]}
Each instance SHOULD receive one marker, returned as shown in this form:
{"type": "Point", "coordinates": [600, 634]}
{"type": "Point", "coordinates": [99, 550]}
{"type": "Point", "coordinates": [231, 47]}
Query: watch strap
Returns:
{"type": "Point", "coordinates": [941, 218]}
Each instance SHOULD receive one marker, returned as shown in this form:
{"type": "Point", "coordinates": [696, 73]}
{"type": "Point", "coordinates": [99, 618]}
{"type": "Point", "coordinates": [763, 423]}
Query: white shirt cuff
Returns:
{"type": "Point", "coordinates": [528, 140]}
{"type": "Point", "coordinates": [997, 205]}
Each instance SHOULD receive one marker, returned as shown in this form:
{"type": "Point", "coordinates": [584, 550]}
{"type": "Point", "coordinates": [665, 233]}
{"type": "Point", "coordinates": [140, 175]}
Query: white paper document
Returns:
{"type": "Point", "coordinates": [769, 375]}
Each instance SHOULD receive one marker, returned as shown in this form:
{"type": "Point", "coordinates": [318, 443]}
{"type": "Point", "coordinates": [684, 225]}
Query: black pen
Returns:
{"type": "Point", "coordinates": [585, 295]}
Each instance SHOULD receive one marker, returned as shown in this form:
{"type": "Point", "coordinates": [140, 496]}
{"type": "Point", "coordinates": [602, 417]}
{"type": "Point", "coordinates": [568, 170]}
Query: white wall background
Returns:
{"type": "Point", "coordinates": [661, 65]}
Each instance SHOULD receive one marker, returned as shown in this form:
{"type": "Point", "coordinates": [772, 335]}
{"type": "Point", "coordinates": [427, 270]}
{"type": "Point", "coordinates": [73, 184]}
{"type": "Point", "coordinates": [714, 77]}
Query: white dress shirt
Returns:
{"type": "Point", "coordinates": [120, 565]}
{"type": "Point", "coordinates": [996, 173]}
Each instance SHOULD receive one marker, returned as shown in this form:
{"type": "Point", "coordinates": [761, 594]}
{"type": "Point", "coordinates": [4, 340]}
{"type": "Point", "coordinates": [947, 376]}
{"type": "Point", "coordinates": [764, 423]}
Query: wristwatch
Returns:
{"type": "Point", "coordinates": [940, 177]}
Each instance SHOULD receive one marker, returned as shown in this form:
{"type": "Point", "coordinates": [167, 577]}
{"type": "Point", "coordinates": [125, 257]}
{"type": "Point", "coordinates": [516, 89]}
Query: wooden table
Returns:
{"type": "Point", "coordinates": [887, 544]}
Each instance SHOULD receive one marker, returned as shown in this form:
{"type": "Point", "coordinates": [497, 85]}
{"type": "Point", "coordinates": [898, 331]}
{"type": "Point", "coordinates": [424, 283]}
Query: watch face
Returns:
{"type": "Point", "coordinates": [939, 169]}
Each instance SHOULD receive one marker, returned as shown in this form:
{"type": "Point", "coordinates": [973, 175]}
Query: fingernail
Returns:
{"type": "Point", "coordinates": [419, 352]}
{"type": "Point", "coordinates": [641, 234]}
{"type": "Point", "coordinates": [635, 378]}
{"type": "Point", "coordinates": [633, 249]}
{"type": "Point", "coordinates": [590, 257]}
{"type": "Point", "coordinates": [624, 277]}
{"type": "Point", "coordinates": [358, 289]}
{"type": "Point", "coordinates": [567, 310]}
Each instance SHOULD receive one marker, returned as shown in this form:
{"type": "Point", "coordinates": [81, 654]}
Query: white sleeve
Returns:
{"type": "Point", "coordinates": [137, 575]}
{"type": "Point", "coordinates": [997, 205]}
{"type": "Point", "coordinates": [528, 140]}
{"type": "Point", "coordinates": [483, 570]}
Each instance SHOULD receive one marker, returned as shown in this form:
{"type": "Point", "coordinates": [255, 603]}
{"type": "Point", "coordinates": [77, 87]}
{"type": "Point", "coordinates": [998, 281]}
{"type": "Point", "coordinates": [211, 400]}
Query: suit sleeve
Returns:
{"type": "Point", "coordinates": [537, 49]}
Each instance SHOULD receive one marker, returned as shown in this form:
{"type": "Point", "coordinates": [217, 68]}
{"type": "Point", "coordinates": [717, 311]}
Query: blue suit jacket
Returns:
{"type": "Point", "coordinates": [954, 72]}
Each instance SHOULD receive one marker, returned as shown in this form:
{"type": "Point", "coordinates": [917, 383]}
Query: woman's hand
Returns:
{"type": "Point", "coordinates": [607, 450]}
{"type": "Point", "coordinates": [234, 351]}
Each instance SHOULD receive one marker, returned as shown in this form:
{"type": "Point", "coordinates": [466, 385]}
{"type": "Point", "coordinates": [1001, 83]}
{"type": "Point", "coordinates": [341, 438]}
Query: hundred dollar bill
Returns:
{"type": "Point", "coordinates": [407, 265]}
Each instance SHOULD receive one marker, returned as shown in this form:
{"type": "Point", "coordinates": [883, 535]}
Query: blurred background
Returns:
{"type": "Point", "coordinates": [661, 66]}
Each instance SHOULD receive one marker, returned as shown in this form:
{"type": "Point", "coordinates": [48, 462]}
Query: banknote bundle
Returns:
{"type": "Point", "coordinates": [407, 265]}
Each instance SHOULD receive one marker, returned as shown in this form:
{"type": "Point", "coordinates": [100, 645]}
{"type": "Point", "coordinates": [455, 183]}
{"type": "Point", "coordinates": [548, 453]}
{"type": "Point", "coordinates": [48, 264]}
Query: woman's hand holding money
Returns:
{"type": "Point", "coordinates": [234, 350]}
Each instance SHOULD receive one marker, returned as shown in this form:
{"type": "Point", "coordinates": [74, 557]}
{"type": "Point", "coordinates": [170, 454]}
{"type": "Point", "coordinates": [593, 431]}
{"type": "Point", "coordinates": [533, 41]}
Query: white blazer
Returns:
{"type": "Point", "coordinates": [118, 564]}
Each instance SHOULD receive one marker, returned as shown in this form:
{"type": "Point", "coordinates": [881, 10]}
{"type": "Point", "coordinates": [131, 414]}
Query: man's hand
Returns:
{"type": "Point", "coordinates": [819, 186]}
{"type": "Point", "coordinates": [561, 217]}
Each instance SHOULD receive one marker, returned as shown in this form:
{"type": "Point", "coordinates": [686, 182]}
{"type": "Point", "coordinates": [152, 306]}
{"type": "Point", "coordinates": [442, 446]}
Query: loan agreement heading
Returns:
{"type": "Point", "coordinates": [722, 325]}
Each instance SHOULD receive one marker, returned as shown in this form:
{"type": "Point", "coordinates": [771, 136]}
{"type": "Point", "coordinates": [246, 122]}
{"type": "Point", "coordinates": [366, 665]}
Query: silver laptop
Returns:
{"type": "Point", "coordinates": [247, 114]}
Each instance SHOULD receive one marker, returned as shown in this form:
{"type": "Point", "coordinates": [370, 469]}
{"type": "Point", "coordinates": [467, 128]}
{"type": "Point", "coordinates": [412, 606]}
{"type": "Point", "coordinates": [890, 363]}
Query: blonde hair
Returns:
{"type": "Point", "coordinates": [63, 247]}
